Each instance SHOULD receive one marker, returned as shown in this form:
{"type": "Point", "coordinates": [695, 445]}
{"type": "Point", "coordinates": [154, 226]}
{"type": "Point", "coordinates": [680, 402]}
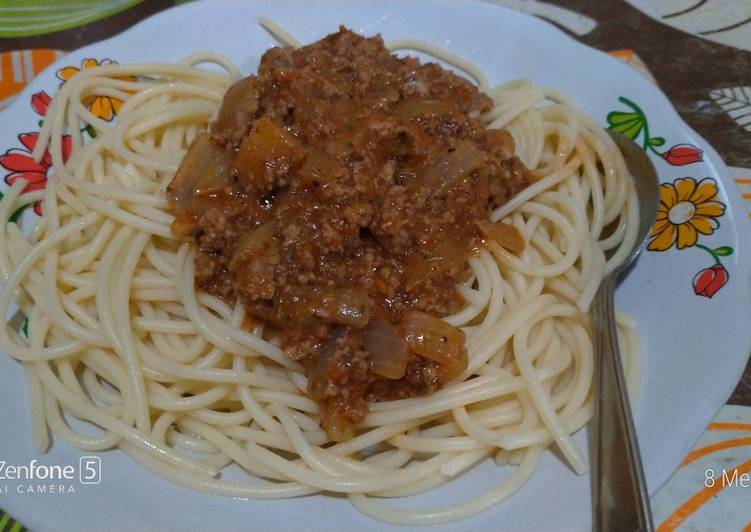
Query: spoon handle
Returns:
{"type": "Point", "coordinates": [619, 491]}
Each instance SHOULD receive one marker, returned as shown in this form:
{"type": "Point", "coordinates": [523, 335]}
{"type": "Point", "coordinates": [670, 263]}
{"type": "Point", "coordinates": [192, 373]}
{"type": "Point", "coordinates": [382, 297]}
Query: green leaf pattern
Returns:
{"type": "Point", "coordinates": [656, 142]}
{"type": "Point", "coordinates": [723, 251]}
{"type": "Point", "coordinates": [628, 124]}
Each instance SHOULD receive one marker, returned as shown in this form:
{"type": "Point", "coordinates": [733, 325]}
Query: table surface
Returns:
{"type": "Point", "coordinates": [697, 51]}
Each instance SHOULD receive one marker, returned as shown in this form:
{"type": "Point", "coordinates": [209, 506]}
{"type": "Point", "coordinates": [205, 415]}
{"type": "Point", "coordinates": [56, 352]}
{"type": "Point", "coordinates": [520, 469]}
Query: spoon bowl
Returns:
{"type": "Point", "coordinates": [647, 187]}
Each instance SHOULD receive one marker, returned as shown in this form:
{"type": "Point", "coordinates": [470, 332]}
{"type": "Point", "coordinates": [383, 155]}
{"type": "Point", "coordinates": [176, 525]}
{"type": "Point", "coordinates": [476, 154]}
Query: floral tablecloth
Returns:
{"type": "Point", "coordinates": [697, 51]}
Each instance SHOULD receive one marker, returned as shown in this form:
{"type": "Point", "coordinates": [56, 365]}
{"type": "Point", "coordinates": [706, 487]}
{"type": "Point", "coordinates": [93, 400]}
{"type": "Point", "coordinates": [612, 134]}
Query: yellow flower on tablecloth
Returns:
{"type": "Point", "coordinates": [687, 208]}
{"type": "Point", "coordinates": [104, 107]}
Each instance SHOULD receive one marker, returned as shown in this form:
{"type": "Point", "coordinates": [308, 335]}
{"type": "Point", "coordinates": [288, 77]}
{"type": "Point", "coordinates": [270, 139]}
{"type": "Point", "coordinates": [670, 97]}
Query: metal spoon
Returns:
{"type": "Point", "coordinates": [619, 491]}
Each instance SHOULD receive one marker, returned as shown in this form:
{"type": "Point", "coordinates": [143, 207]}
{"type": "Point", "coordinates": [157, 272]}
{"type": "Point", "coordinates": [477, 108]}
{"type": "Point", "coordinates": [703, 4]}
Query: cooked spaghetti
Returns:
{"type": "Point", "coordinates": [186, 382]}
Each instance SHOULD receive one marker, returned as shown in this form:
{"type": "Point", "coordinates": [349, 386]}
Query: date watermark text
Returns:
{"type": "Point", "coordinates": [726, 479]}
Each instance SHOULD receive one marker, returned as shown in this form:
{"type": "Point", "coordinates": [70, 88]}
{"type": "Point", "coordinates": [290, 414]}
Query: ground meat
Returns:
{"type": "Point", "coordinates": [339, 184]}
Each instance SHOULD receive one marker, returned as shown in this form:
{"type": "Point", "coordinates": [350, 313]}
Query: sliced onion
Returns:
{"type": "Point", "coordinates": [448, 256]}
{"type": "Point", "coordinates": [253, 244]}
{"type": "Point", "coordinates": [320, 168]}
{"type": "Point", "coordinates": [204, 170]}
{"type": "Point", "coordinates": [318, 371]}
{"type": "Point", "coordinates": [184, 227]}
{"type": "Point", "coordinates": [500, 141]}
{"type": "Point", "coordinates": [454, 166]}
{"type": "Point", "coordinates": [505, 235]}
{"type": "Point", "coordinates": [418, 270]}
{"type": "Point", "coordinates": [338, 428]}
{"type": "Point", "coordinates": [345, 306]}
{"type": "Point", "coordinates": [266, 150]}
{"type": "Point", "coordinates": [417, 107]}
{"type": "Point", "coordinates": [436, 340]}
{"type": "Point", "coordinates": [387, 349]}
{"type": "Point", "coordinates": [342, 306]}
{"type": "Point", "coordinates": [238, 107]}
{"type": "Point", "coordinates": [333, 410]}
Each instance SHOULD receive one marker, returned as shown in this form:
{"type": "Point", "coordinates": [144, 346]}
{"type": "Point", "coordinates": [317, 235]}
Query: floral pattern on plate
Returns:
{"type": "Point", "coordinates": [633, 124]}
{"type": "Point", "coordinates": [688, 208]}
{"type": "Point", "coordinates": [101, 106]}
{"type": "Point", "coordinates": [20, 163]}
{"type": "Point", "coordinates": [18, 160]}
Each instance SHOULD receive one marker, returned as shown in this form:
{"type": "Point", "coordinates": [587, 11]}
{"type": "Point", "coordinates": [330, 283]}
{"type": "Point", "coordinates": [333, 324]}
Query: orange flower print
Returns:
{"type": "Point", "coordinates": [687, 208]}
{"type": "Point", "coordinates": [104, 107]}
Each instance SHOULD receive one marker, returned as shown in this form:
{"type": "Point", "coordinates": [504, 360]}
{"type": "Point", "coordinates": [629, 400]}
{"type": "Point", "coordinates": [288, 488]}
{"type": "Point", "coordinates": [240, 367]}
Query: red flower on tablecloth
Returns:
{"type": "Point", "coordinates": [22, 165]}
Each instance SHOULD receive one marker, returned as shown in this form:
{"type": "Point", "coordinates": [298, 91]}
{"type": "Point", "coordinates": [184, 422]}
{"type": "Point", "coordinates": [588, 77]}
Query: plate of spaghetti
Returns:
{"type": "Point", "coordinates": [329, 265]}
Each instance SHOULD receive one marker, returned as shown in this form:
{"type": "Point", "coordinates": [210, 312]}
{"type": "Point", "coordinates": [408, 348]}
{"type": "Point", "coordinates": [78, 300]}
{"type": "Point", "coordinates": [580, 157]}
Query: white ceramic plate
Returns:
{"type": "Point", "coordinates": [694, 347]}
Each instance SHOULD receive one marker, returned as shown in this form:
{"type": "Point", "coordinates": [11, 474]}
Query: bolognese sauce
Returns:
{"type": "Point", "coordinates": [337, 195]}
